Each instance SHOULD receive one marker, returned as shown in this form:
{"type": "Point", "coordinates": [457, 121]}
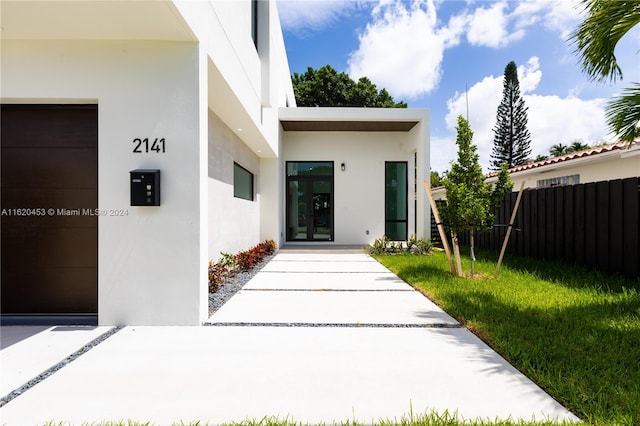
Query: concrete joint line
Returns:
{"type": "Point", "coordinates": [325, 272]}
{"type": "Point", "coordinates": [336, 325]}
{"type": "Point", "coordinates": [42, 376]}
{"type": "Point", "coordinates": [322, 261]}
{"type": "Point", "coordinates": [328, 290]}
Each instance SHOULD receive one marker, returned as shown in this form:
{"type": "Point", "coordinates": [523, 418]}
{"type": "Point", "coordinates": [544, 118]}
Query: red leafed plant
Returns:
{"type": "Point", "coordinates": [228, 264]}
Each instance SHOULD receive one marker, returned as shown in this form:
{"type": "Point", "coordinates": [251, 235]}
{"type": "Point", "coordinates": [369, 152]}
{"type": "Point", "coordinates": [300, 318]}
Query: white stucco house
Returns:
{"type": "Point", "coordinates": [142, 138]}
{"type": "Point", "coordinates": [606, 162]}
{"type": "Point", "coordinates": [600, 163]}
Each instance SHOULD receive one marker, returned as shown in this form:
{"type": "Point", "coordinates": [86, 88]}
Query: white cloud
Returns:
{"type": "Point", "coordinates": [454, 29]}
{"type": "Point", "coordinates": [562, 16]}
{"type": "Point", "coordinates": [303, 16]}
{"type": "Point", "coordinates": [497, 26]}
{"type": "Point", "coordinates": [488, 27]}
{"type": "Point", "coordinates": [483, 99]}
{"type": "Point", "coordinates": [402, 48]}
{"type": "Point", "coordinates": [529, 75]}
{"type": "Point", "coordinates": [552, 119]}
{"type": "Point", "coordinates": [443, 151]}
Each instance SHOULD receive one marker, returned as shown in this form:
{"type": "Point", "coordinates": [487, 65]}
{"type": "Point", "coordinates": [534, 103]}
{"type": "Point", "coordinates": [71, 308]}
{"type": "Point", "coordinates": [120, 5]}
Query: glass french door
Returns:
{"type": "Point", "coordinates": [309, 201]}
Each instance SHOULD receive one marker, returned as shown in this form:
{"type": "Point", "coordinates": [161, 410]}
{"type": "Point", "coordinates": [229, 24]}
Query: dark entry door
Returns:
{"type": "Point", "coordinates": [310, 201]}
{"type": "Point", "coordinates": [49, 239]}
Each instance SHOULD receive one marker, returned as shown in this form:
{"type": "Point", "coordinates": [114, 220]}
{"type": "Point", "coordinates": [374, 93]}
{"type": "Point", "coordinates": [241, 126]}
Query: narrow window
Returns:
{"type": "Point", "coordinates": [242, 182]}
{"type": "Point", "coordinates": [395, 197]}
{"type": "Point", "coordinates": [254, 22]}
{"type": "Point", "coordinates": [559, 181]}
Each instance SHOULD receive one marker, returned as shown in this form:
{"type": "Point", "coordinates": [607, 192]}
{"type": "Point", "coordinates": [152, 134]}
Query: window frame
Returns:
{"type": "Point", "coordinates": [238, 167]}
{"type": "Point", "coordinates": [387, 220]}
{"type": "Point", "coordinates": [558, 181]}
{"type": "Point", "coordinates": [310, 178]}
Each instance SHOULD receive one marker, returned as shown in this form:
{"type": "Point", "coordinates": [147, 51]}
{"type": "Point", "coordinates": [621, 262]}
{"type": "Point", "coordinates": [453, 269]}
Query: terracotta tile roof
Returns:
{"type": "Point", "coordinates": [572, 156]}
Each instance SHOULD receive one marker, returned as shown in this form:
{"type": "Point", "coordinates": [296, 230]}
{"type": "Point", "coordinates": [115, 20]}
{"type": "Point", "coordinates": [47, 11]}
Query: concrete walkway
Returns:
{"type": "Point", "coordinates": [316, 336]}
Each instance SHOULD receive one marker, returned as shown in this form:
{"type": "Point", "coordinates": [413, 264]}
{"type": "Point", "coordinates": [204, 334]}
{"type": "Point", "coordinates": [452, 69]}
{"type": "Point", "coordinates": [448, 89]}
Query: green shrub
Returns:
{"type": "Point", "coordinates": [419, 245]}
{"type": "Point", "coordinates": [413, 245]}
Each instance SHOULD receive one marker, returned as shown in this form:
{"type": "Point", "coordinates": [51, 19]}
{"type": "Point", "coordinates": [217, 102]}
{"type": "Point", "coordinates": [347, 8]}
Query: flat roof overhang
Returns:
{"type": "Point", "coordinates": [93, 20]}
{"type": "Point", "coordinates": [333, 119]}
{"type": "Point", "coordinates": [347, 126]}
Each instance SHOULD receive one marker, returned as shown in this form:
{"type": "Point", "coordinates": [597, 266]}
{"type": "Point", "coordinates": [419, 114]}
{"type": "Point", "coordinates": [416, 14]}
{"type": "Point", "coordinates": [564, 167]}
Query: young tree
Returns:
{"type": "Point", "coordinates": [470, 201]}
{"type": "Point", "coordinates": [512, 141]}
{"type": "Point", "coordinates": [325, 87]}
{"type": "Point", "coordinates": [595, 39]}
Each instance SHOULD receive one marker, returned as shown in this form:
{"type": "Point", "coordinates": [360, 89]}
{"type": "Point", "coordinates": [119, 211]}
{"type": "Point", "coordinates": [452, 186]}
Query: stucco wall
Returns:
{"type": "Point", "coordinates": [359, 190]}
{"type": "Point", "coordinates": [234, 223]}
{"type": "Point", "coordinates": [210, 94]}
{"type": "Point", "coordinates": [246, 84]}
{"type": "Point", "coordinates": [271, 190]}
{"type": "Point", "coordinates": [151, 269]}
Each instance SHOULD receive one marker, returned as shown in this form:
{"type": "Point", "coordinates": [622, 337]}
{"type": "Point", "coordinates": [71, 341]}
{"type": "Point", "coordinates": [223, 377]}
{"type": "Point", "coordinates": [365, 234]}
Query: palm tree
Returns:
{"type": "Point", "coordinates": [578, 146]}
{"type": "Point", "coordinates": [558, 150]}
{"type": "Point", "coordinates": [607, 21]}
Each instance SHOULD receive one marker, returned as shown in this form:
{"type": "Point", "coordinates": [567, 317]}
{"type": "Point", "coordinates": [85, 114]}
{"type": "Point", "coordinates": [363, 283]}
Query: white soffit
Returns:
{"type": "Point", "coordinates": [92, 20]}
{"type": "Point", "coordinates": [351, 119]}
{"type": "Point", "coordinates": [226, 105]}
{"type": "Point", "coordinates": [347, 126]}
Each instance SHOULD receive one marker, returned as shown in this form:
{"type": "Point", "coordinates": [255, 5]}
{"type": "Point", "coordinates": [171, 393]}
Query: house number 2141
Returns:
{"type": "Point", "coordinates": [144, 145]}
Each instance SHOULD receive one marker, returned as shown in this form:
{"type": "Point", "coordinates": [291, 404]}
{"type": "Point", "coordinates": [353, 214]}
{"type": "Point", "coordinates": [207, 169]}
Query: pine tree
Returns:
{"type": "Point", "coordinates": [512, 141]}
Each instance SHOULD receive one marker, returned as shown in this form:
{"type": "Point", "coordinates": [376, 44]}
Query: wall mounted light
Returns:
{"type": "Point", "coordinates": [343, 167]}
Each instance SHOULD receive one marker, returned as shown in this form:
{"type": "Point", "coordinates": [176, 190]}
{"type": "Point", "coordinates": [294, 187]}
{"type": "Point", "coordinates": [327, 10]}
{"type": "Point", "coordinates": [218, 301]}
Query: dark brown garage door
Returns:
{"type": "Point", "coordinates": [49, 186]}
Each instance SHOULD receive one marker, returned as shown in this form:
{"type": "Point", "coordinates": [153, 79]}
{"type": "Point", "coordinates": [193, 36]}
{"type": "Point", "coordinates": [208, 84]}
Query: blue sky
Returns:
{"type": "Point", "coordinates": [427, 52]}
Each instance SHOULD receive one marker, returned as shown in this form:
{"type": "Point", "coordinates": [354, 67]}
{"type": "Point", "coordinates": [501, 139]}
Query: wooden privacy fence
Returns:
{"type": "Point", "coordinates": [594, 224]}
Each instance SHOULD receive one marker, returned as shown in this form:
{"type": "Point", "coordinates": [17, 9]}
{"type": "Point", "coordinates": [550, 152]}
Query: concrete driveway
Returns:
{"type": "Point", "coordinates": [316, 336]}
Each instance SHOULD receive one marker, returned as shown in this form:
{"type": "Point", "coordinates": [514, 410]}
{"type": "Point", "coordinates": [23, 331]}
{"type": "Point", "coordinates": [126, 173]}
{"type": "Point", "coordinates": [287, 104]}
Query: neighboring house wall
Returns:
{"type": "Point", "coordinates": [149, 267]}
{"type": "Point", "coordinates": [595, 165]}
{"type": "Point", "coordinates": [608, 165]}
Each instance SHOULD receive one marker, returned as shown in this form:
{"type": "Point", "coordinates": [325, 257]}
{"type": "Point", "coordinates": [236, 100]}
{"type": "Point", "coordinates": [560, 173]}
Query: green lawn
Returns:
{"type": "Point", "coordinates": [575, 332]}
{"type": "Point", "coordinates": [427, 419]}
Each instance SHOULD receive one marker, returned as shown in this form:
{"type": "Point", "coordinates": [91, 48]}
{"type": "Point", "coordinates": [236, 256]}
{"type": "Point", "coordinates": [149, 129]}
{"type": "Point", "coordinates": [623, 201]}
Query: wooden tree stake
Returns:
{"type": "Point", "coordinates": [443, 235]}
{"type": "Point", "coordinates": [509, 228]}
